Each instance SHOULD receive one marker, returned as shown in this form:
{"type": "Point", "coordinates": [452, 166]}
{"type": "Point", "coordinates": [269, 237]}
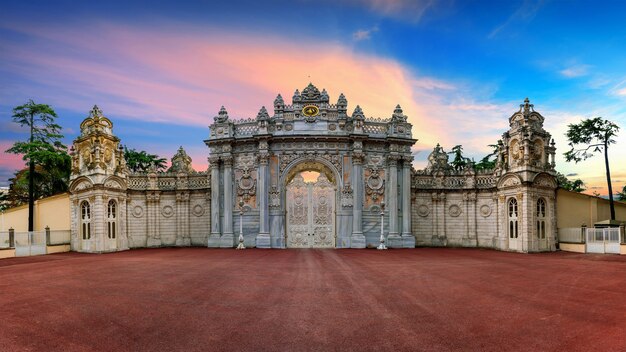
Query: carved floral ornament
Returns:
{"type": "Point", "coordinates": [454, 210]}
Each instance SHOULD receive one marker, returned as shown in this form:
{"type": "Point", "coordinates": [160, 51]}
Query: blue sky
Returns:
{"type": "Point", "coordinates": [161, 70]}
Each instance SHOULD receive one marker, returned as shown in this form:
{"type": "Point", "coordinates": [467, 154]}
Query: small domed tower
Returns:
{"type": "Point", "coordinates": [527, 184]}
{"type": "Point", "coordinates": [98, 188]}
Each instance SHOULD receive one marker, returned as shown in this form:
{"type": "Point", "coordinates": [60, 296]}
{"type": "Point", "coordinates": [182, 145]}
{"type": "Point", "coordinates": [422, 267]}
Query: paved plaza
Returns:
{"type": "Point", "coordinates": [428, 299]}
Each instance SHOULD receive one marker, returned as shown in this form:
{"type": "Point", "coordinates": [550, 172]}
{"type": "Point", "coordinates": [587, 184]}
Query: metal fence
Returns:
{"type": "Point", "coordinates": [33, 243]}
{"type": "Point", "coordinates": [572, 234]}
{"type": "Point", "coordinates": [5, 240]}
{"type": "Point", "coordinates": [603, 240]}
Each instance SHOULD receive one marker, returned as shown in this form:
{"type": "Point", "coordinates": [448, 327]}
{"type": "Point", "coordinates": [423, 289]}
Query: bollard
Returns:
{"type": "Point", "coordinates": [11, 238]}
{"type": "Point", "coordinates": [47, 235]}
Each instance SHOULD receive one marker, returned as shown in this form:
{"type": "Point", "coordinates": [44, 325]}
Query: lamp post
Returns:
{"type": "Point", "coordinates": [241, 245]}
{"type": "Point", "coordinates": [382, 225]}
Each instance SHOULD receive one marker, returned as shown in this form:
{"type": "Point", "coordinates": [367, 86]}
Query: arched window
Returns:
{"type": "Point", "coordinates": [85, 220]}
{"type": "Point", "coordinates": [541, 218]}
{"type": "Point", "coordinates": [513, 231]}
{"type": "Point", "coordinates": [111, 218]}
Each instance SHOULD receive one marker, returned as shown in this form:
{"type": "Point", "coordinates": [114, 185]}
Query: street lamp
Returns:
{"type": "Point", "coordinates": [241, 245]}
{"type": "Point", "coordinates": [382, 224]}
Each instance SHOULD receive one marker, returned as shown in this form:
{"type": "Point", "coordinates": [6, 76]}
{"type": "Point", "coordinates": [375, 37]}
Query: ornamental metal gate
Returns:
{"type": "Point", "coordinates": [310, 213]}
{"type": "Point", "coordinates": [603, 240]}
{"type": "Point", "coordinates": [30, 243]}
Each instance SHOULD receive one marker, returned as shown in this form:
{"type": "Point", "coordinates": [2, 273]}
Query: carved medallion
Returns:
{"type": "Point", "coordinates": [310, 111]}
{"type": "Point", "coordinates": [423, 210]}
{"type": "Point", "coordinates": [485, 210]}
{"type": "Point", "coordinates": [454, 210]}
{"type": "Point", "coordinates": [197, 210]}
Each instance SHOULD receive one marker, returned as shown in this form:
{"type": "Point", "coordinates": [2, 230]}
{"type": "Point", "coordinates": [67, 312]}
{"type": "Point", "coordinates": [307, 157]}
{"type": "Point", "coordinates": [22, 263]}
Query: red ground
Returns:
{"type": "Point", "coordinates": [198, 299]}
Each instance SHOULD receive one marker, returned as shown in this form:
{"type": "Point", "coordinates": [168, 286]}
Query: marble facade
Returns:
{"type": "Point", "coordinates": [364, 168]}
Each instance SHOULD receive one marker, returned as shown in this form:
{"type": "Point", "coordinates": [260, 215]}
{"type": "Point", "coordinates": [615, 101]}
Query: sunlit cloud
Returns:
{"type": "Point", "coordinates": [575, 71]}
{"type": "Point", "coordinates": [364, 34]}
{"type": "Point", "coordinates": [411, 10]}
{"type": "Point", "coordinates": [523, 14]}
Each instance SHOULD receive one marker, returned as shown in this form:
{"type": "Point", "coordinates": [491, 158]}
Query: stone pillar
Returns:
{"type": "Point", "coordinates": [357, 239]}
{"type": "Point", "coordinates": [263, 238]}
{"type": "Point", "coordinates": [408, 240]}
{"type": "Point", "coordinates": [214, 236]}
{"type": "Point", "coordinates": [228, 238]}
{"type": "Point", "coordinates": [152, 206]}
{"type": "Point", "coordinates": [182, 219]}
{"type": "Point", "coordinates": [394, 239]}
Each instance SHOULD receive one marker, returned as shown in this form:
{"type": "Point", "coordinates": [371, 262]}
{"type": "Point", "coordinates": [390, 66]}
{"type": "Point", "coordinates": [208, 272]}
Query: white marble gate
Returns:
{"type": "Point", "coordinates": [310, 213]}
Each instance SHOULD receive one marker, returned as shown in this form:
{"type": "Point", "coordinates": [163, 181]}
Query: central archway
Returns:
{"type": "Point", "coordinates": [310, 206]}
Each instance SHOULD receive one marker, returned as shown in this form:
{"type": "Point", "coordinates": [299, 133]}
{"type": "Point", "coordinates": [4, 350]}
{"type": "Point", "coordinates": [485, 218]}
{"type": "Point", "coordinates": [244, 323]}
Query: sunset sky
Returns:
{"type": "Point", "coordinates": [160, 70]}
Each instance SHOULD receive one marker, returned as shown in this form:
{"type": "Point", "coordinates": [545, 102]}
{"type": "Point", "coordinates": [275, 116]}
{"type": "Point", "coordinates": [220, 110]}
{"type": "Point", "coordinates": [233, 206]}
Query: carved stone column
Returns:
{"type": "Point", "coordinates": [214, 236]}
{"type": "Point", "coordinates": [408, 240]}
{"type": "Point", "coordinates": [263, 238]}
{"type": "Point", "coordinates": [152, 206]}
{"type": "Point", "coordinates": [182, 219]}
{"type": "Point", "coordinates": [394, 239]}
{"type": "Point", "coordinates": [228, 238]}
{"type": "Point", "coordinates": [357, 240]}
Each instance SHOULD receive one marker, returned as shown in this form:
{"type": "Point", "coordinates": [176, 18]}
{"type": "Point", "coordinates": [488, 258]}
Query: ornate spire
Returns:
{"type": "Point", "coordinates": [311, 93]}
{"type": "Point", "coordinates": [296, 96]}
{"type": "Point", "coordinates": [95, 112]}
{"type": "Point", "coordinates": [342, 101]}
{"type": "Point", "coordinates": [358, 113]}
{"type": "Point", "coordinates": [527, 107]}
{"type": "Point", "coordinates": [262, 115]}
{"type": "Point", "coordinates": [324, 96]}
{"type": "Point", "coordinates": [398, 115]}
{"type": "Point", "coordinates": [181, 162]}
{"type": "Point", "coordinates": [222, 116]}
{"type": "Point", "coordinates": [279, 102]}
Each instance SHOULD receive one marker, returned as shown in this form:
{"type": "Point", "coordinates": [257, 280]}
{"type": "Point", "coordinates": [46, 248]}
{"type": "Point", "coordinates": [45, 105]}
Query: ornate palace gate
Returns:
{"type": "Point", "coordinates": [310, 213]}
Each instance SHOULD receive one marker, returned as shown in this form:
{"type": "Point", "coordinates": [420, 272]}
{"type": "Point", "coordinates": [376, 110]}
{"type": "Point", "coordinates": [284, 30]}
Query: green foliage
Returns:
{"type": "Point", "coordinates": [45, 149]}
{"type": "Point", "coordinates": [142, 161]}
{"type": "Point", "coordinates": [588, 137]}
{"type": "Point", "coordinates": [575, 186]}
{"type": "Point", "coordinates": [489, 161]}
{"type": "Point", "coordinates": [592, 136]}
{"type": "Point", "coordinates": [621, 196]}
{"type": "Point", "coordinates": [44, 146]}
{"type": "Point", "coordinates": [459, 162]}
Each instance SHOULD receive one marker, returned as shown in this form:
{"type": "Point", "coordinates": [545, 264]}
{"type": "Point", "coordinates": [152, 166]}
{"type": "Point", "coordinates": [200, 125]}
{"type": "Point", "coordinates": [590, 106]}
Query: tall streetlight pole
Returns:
{"type": "Point", "coordinates": [382, 225]}
{"type": "Point", "coordinates": [241, 245]}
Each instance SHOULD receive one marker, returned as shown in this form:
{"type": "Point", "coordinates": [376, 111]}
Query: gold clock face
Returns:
{"type": "Point", "coordinates": [310, 110]}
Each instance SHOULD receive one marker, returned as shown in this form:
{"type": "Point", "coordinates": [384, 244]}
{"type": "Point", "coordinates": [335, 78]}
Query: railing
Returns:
{"type": "Point", "coordinates": [27, 243]}
{"type": "Point", "coordinates": [603, 240]}
{"type": "Point", "coordinates": [6, 240]}
{"type": "Point", "coordinates": [571, 234]}
{"type": "Point", "coordinates": [58, 237]}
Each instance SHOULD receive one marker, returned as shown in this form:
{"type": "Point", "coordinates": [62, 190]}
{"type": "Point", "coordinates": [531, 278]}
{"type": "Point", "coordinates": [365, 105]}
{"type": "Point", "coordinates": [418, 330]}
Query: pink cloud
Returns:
{"type": "Point", "coordinates": [7, 160]}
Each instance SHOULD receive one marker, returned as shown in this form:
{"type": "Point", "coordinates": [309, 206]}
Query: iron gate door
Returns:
{"type": "Point", "coordinates": [310, 213]}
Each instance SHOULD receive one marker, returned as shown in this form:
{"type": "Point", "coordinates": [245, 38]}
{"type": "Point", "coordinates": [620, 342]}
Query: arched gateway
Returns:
{"type": "Point", "coordinates": [312, 175]}
{"type": "Point", "coordinates": [361, 163]}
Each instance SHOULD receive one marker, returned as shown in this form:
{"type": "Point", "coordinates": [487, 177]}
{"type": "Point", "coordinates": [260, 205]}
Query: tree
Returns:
{"type": "Point", "coordinates": [576, 185]}
{"type": "Point", "coordinates": [489, 161]}
{"type": "Point", "coordinates": [142, 161]}
{"type": "Point", "coordinates": [589, 137]}
{"type": "Point", "coordinates": [621, 196]}
{"type": "Point", "coordinates": [459, 162]}
{"type": "Point", "coordinates": [44, 146]}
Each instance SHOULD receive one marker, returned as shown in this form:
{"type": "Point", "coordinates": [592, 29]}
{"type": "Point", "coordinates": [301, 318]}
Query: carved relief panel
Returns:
{"type": "Point", "coordinates": [374, 178]}
{"type": "Point", "coordinates": [245, 179]}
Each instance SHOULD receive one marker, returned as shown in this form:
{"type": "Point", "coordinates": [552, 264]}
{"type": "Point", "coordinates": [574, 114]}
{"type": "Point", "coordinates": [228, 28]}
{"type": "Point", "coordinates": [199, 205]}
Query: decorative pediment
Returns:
{"type": "Point", "coordinates": [81, 184]}
{"type": "Point", "coordinates": [509, 181]}
{"type": "Point", "coordinates": [545, 181]}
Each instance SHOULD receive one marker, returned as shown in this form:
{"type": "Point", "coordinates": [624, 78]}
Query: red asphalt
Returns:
{"type": "Point", "coordinates": [199, 299]}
